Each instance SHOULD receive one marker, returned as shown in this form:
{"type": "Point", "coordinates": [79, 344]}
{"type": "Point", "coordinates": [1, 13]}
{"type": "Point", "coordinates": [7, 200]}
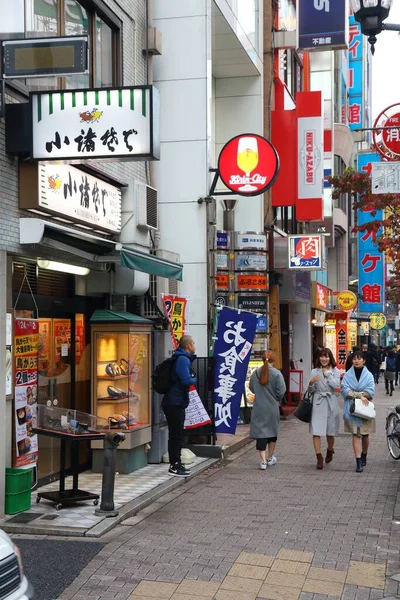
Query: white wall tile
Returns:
{"type": "Point", "coordinates": [183, 230]}
{"type": "Point", "coordinates": [237, 115]}
{"type": "Point", "coordinates": [184, 49]}
{"type": "Point", "coordinates": [183, 110]}
{"type": "Point", "coordinates": [166, 9]}
{"type": "Point", "coordinates": [238, 86]}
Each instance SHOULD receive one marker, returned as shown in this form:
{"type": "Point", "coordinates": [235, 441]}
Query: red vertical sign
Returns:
{"type": "Point", "coordinates": [341, 340]}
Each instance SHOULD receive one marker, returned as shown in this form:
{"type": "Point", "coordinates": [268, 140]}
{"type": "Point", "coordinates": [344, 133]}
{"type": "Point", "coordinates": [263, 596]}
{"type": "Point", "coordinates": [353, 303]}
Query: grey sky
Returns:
{"type": "Point", "coordinates": [385, 78]}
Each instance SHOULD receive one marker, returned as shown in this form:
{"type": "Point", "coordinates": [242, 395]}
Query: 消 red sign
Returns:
{"type": "Point", "coordinates": [386, 133]}
{"type": "Point", "coordinates": [391, 137]}
{"type": "Point", "coordinates": [248, 164]}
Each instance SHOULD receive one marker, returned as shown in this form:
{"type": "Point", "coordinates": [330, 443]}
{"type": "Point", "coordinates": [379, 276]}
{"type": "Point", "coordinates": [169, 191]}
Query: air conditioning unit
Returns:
{"type": "Point", "coordinates": [147, 207]}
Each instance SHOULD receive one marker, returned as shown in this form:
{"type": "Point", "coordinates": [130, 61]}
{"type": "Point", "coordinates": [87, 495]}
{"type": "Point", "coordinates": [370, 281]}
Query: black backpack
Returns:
{"type": "Point", "coordinates": [162, 377]}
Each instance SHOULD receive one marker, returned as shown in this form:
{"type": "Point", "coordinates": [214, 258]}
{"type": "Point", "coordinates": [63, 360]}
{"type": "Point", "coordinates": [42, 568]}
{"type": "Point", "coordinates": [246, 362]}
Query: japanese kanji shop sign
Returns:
{"type": "Point", "coordinates": [175, 309]}
{"type": "Point", "coordinates": [65, 190]}
{"type": "Point", "coordinates": [322, 24]}
{"type": "Point", "coordinates": [101, 123]}
{"type": "Point", "coordinates": [386, 177]}
{"type": "Point", "coordinates": [232, 349]}
{"type": "Point", "coordinates": [251, 282]}
{"type": "Point", "coordinates": [377, 320]}
{"type": "Point", "coordinates": [320, 296]}
{"type": "Point", "coordinates": [387, 141]}
{"type": "Point", "coordinates": [356, 78]}
{"type": "Point", "coordinates": [250, 240]}
{"type": "Point", "coordinates": [371, 269]}
{"type": "Point", "coordinates": [26, 340]}
{"type": "Point", "coordinates": [248, 164]}
{"type": "Point", "coordinates": [346, 300]}
{"type": "Point", "coordinates": [341, 340]}
{"type": "Point", "coordinates": [305, 252]}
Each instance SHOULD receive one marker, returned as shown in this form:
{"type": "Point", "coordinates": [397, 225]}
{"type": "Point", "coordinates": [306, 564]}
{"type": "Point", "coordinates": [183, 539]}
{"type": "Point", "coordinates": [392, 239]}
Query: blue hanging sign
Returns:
{"type": "Point", "coordinates": [322, 24]}
{"type": "Point", "coordinates": [232, 349]}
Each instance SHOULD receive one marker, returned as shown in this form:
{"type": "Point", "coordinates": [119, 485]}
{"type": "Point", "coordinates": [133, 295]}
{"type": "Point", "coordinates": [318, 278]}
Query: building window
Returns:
{"type": "Point", "coordinates": [49, 18]}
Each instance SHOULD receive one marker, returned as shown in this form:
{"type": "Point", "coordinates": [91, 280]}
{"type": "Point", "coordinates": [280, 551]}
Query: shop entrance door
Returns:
{"type": "Point", "coordinates": [56, 382]}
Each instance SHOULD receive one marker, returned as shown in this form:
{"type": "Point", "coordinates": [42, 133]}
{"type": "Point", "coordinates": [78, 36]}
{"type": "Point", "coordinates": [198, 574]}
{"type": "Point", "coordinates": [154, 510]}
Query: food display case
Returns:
{"type": "Point", "coordinates": [121, 371]}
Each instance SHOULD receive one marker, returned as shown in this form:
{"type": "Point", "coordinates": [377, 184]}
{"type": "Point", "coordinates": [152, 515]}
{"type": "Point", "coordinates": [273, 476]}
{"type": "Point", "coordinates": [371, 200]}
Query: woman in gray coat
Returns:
{"type": "Point", "coordinates": [324, 381]}
{"type": "Point", "coordinates": [268, 386]}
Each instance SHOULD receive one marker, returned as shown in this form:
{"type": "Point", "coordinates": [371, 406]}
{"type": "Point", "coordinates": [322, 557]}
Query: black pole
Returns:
{"type": "Point", "coordinates": [111, 443]}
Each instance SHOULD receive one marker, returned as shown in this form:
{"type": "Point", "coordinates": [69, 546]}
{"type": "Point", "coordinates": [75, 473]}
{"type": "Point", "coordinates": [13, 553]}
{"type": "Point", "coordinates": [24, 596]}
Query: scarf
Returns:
{"type": "Point", "coordinates": [349, 383]}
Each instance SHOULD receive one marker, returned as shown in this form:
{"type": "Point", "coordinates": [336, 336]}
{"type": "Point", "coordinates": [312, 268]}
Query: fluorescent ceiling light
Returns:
{"type": "Point", "coordinates": [51, 265]}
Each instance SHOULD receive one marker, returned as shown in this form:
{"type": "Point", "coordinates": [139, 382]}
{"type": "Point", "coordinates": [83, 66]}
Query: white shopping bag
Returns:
{"type": "Point", "coordinates": [195, 414]}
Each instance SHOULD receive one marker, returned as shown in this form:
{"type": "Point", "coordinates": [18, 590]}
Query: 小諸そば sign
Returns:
{"type": "Point", "coordinates": [248, 164]}
{"type": "Point", "coordinates": [100, 123]}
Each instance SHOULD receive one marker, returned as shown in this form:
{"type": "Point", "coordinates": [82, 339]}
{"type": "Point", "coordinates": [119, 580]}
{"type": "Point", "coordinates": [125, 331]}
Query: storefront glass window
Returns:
{"type": "Point", "coordinates": [12, 21]}
{"type": "Point", "coordinates": [76, 22]}
{"type": "Point", "coordinates": [41, 20]}
{"type": "Point", "coordinates": [104, 54]}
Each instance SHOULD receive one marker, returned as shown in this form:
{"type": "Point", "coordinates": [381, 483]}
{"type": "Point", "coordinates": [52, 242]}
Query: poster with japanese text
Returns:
{"type": "Point", "coordinates": [175, 309]}
{"type": "Point", "coordinates": [26, 340]}
{"type": "Point", "coordinates": [195, 414]}
{"type": "Point", "coordinates": [371, 262]}
{"type": "Point", "coordinates": [232, 349]}
{"type": "Point", "coordinates": [341, 340]}
{"type": "Point", "coordinates": [355, 115]}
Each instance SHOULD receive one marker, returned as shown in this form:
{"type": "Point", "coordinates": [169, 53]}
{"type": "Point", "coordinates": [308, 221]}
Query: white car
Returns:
{"type": "Point", "coordinates": [13, 583]}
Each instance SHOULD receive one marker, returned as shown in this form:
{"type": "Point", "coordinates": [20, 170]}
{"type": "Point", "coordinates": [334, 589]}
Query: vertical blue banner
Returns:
{"type": "Point", "coordinates": [322, 24]}
{"type": "Point", "coordinates": [371, 262]}
{"type": "Point", "coordinates": [232, 349]}
{"type": "Point", "coordinates": [355, 84]}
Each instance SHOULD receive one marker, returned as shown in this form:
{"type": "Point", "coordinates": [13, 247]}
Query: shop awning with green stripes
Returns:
{"type": "Point", "coordinates": [148, 263]}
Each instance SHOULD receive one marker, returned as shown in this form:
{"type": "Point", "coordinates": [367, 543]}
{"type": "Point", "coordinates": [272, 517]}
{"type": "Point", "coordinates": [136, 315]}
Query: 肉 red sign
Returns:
{"type": "Point", "coordinates": [248, 164]}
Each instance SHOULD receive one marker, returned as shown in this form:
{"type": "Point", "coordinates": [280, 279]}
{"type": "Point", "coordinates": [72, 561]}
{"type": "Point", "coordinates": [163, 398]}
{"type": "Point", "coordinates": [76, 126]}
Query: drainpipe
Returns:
{"type": "Point", "coordinates": [229, 214]}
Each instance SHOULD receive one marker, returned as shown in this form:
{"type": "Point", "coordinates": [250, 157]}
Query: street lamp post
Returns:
{"type": "Point", "coordinates": [371, 14]}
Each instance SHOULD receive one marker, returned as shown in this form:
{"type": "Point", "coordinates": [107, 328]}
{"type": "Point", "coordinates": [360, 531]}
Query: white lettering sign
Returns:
{"type": "Point", "coordinates": [322, 5]}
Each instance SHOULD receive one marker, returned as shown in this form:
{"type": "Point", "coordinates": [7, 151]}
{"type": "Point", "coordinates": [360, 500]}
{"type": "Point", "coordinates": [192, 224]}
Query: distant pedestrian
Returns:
{"type": "Point", "coordinates": [324, 381]}
{"type": "Point", "coordinates": [268, 386]}
{"type": "Point", "coordinates": [176, 401]}
{"type": "Point", "coordinates": [349, 361]}
{"type": "Point", "coordinates": [397, 356]}
{"type": "Point", "coordinates": [358, 382]}
{"type": "Point", "coordinates": [372, 360]}
{"type": "Point", "coordinates": [390, 372]}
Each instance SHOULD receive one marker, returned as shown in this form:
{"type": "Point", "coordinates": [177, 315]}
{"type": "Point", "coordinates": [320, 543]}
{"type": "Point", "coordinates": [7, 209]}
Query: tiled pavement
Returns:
{"type": "Point", "coordinates": [288, 533]}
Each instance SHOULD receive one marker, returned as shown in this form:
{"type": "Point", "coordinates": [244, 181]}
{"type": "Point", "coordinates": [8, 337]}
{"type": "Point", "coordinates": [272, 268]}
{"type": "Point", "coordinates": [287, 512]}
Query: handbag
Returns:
{"type": "Point", "coordinates": [390, 375]}
{"type": "Point", "coordinates": [359, 409]}
{"type": "Point", "coordinates": [304, 410]}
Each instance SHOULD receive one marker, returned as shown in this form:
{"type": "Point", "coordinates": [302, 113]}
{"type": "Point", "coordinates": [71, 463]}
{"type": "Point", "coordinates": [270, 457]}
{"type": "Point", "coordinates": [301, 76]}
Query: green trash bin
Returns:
{"type": "Point", "coordinates": [18, 490]}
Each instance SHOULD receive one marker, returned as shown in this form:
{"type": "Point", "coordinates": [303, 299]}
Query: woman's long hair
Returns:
{"type": "Point", "coordinates": [268, 357]}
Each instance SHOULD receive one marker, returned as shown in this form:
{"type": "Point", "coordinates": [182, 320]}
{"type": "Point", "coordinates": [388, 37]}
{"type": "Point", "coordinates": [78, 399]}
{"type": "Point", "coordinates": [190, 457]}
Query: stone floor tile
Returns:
{"type": "Point", "coordinates": [285, 579]}
{"type": "Point", "coordinates": [274, 592]}
{"type": "Point", "coordinates": [366, 574]}
{"type": "Point", "coordinates": [233, 595]}
{"type": "Point", "coordinates": [327, 575]}
{"type": "Point", "coordinates": [289, 566]}
{"type": "Point", "coordinates": [258, 560]}
{"type": "Point", "coordinates": [196, 587]}
{"type": "Point", "coordinates": [154, 589]}
{"type": "Point", "coordinates": [329, 588]}
{"type": "Point", "coordinates": [241, 584]}
{"type": "Point", "coordinates": [249, 571]}
{"type": "Point", "coordinates": [296, 555]}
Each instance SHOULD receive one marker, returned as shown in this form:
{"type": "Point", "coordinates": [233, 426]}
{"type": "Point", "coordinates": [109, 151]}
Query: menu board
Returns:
{"type": "Point", "coordinates": [26, 340]}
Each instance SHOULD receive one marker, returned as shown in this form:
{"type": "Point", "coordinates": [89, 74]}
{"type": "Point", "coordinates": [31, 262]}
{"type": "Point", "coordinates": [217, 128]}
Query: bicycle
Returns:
{"type": "Point", "coordinates": [393, 432]}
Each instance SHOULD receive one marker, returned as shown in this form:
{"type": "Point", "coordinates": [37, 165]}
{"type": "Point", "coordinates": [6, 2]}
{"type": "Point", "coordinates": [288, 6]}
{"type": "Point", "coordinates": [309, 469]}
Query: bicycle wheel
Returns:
{"type": "Point", "coordinates": [393, 435]}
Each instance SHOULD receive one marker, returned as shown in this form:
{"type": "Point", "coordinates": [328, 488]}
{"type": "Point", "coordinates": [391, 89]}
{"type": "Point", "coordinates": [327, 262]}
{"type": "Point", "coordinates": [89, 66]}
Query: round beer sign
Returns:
{"type": "Point", "coordinates": [346, 300]}
{"type": "Point", "coordinates": [377, 320]}
{"type": "Point", "coordinates": [248, 164]}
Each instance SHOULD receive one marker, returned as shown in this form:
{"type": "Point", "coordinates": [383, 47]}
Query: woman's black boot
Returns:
{"type": "Point", "coordinates": [359, 465]}
{"type": "Point", "coordinates": [363, 459]}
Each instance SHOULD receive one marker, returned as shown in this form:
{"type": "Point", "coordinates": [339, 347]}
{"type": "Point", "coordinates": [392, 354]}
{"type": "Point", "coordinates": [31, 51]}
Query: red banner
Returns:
{"type": "Point", "coordinates": [175, 309]}
{"type": "Point", "coordinates": [26, 340]}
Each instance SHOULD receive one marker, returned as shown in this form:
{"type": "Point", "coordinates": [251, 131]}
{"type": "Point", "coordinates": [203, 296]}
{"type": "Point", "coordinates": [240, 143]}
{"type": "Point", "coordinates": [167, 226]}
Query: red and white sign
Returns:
{"type": "Point", "coordinates": [310, 145]}
{"type": "Point", "coordinates": [195, 414]}
{"type": "Point", "coordinates": [248, 164]}
{"type": "Point", "coordinates": [387, 141]}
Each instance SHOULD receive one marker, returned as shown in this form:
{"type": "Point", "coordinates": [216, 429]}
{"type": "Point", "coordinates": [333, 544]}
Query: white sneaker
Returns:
{"type": "Point", "coordinates": [263, 466]}
{"type": "Point", "coordinates": [271, 461]}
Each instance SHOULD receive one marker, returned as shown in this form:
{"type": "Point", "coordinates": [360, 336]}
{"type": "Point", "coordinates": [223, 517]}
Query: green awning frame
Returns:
{"type": "Point", "coordinates": [148, 263]}
{"type": "Point", "coordinates": [113, 316]}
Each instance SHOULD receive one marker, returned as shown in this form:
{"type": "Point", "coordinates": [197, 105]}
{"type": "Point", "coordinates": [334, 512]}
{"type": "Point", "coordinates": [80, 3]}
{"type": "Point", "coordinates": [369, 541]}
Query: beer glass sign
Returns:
{"type": "Point", "coordinates": [248, 164]}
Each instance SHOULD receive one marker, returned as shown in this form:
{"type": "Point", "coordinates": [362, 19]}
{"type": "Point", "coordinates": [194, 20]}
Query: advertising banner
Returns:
{"type": "Point", "coordinates": [355, 82]}
{"type": "Point", "coordinates": [26, 340]}
{"type": "Point", "coordinates": [195, 414]}
{"type": "Point", "coordinates": [341, 340]}
{"type": "Point", "coordinates": [8, 354]}
{"type": "Point", "coordinates": [305, 252]}
{"type": "Point", "coordinates": [322, 24]}
{"type": "Point", "coordinates": [175, 309]}
{"type": "Point", "coordinates": [232, 349]}
{"type": "Point", "coordinates": [371, 267]}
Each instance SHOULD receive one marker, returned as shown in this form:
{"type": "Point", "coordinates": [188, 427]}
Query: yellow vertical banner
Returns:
{"type": "Point", "coordinates": [275, 326]}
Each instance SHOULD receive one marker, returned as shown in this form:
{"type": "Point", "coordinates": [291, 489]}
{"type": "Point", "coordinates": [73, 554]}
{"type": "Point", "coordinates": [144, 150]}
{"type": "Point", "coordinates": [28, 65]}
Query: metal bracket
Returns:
{"type": "Point", "coordinates": [212, 191]}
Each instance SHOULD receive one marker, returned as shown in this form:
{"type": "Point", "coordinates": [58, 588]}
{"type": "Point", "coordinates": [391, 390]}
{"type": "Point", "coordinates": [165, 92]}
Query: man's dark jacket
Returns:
{"type": "Point", "coordinates": [182, 378]}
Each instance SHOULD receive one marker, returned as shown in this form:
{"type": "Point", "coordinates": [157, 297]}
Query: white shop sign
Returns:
{"type": "Point", "coordinates": [106, 123]}
{"type": "Point", "coordinates": [251, 262]}
{"type": "Point", "coordinates": [385, 178]}
{"type": "Point", "coordinates": [250, 240]}
{"type": "Point", "coordinates": [67, 191]}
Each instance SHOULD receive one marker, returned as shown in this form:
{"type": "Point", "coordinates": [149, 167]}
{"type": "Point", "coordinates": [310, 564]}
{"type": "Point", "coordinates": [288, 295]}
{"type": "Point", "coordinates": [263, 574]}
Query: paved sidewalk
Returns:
{"type": "Point", "coordinates": [288, 533]}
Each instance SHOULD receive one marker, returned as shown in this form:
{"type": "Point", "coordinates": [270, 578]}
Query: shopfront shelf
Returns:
{"type": "Point", "coordinates": [110, 377]}
{"type": "Point", "coordinates": [112, 400]}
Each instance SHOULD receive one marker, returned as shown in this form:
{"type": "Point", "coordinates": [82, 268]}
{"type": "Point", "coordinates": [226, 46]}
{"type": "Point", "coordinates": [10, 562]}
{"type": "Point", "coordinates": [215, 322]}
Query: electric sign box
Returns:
{"type": "Point", "coordinates": [43, 57]}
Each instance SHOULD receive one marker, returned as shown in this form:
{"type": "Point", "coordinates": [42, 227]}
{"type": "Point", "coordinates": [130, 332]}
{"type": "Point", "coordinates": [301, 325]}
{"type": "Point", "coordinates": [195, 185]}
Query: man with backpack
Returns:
{"type": "Point", "coordinates": [175, 401]}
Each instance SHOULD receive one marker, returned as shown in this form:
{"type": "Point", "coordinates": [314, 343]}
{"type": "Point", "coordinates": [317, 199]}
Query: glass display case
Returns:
{"type": "Point", "coordinates": [66, 420]}
{"type": "Point", "coordinates": [121, 376]}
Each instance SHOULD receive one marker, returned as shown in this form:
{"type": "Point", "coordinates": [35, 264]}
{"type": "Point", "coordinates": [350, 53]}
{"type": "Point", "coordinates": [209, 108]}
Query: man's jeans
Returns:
{"type": "Point", "coordinates": [175, 416]}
